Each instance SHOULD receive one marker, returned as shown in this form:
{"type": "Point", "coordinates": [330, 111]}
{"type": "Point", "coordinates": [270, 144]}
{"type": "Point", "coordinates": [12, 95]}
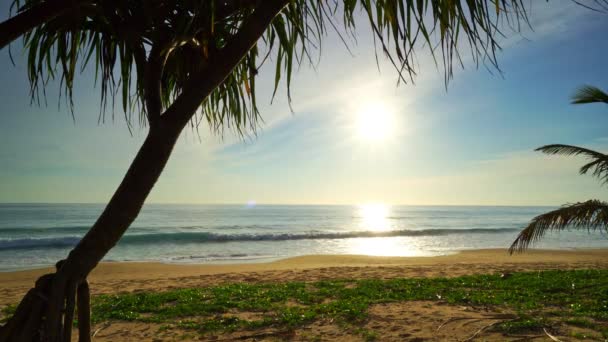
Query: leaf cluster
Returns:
{"type": "Point", "coordinates": [146, 53]}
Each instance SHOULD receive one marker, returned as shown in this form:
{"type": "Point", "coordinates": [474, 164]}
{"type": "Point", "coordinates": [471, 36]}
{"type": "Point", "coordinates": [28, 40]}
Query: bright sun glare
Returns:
{"type": "Point", "coordinates": [374, 122]}
{"type": "Point", "coordinates": [374, 216]}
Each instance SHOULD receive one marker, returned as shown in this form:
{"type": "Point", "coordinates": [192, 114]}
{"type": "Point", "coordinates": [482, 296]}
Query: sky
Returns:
{"type": "Point", "coordinates": [469, 144]}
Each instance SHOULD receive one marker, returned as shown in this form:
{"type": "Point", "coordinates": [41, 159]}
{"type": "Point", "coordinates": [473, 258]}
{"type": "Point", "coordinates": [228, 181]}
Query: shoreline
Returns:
{"type": "Point", "coordinates": [112, 277]}
{"type": "Point", "coordinates": [308, 260]}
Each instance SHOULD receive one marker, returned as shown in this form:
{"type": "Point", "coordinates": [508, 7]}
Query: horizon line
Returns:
{"type": "Point", "coordinates": [291, 204]}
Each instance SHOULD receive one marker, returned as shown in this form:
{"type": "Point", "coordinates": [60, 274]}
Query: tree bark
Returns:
{"type": "Point", "coordinates": [84, 312]}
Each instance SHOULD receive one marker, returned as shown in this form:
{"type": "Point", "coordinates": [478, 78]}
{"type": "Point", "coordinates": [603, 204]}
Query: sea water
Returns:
{"type": "Point", "coordinates": [36, 235]}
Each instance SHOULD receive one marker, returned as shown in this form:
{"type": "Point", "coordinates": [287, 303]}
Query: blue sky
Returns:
{"type": "Point", "coordinates": [471, 144]}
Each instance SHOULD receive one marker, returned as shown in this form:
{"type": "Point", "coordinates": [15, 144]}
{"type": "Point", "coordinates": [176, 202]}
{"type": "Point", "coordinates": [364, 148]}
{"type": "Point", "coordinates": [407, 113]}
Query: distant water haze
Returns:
{"type": "Point", "coordinates": [35, 235]}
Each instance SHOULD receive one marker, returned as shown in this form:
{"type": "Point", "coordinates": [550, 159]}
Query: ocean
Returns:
{"type": "Point", "coordinates": [36, 235]}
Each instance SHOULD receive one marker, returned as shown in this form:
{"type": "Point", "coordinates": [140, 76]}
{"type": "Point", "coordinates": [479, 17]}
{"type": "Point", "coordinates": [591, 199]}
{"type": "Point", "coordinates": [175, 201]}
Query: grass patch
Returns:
{"type": "Point", "coordinates": [541, 299]}
{"type": "Point", "coordinates": [572, 296]}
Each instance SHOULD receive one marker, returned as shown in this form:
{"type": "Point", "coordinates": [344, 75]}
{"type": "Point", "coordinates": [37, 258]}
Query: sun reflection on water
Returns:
{"type": "Point", "coordinates": [374, 217]}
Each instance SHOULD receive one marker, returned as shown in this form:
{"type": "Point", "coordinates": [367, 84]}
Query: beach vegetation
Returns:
{"type": "Point", "coordinates": [528, 302]}
{"type": "Point", "coordinates": [568, 303]}
{"type": "Point", "coordinates": [591, 215]}
{"type": "Point", "coordinates": [176, 64]}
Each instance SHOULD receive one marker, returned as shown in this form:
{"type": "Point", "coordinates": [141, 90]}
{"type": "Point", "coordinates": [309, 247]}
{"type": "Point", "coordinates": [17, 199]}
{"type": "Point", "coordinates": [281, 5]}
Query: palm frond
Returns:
{"type": "Point", "coordinates": [591, 215]}
{"type": "Point", "coordinates": [589, 94]}
{"type": "Point", "coordinates": [598, 164]}
{"type": "Point", "coordinates": [120, 38]}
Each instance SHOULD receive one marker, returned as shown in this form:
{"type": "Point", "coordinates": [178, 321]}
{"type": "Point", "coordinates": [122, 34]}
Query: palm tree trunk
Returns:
{"type": "Point", "coordinates": [126, 202]}
{"type": "Point", "coordinates": [61, 288]}
{"type": "Point", "coordinates": [121, 211]}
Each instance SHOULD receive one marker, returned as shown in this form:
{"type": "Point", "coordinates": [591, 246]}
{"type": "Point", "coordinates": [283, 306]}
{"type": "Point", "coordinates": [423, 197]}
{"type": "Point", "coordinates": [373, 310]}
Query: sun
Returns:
{"type": "Point", "coordinates": [375, 122]}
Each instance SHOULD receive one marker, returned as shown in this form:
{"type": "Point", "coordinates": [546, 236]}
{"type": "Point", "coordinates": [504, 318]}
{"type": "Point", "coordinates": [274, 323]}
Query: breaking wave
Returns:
{"type": "Point", "coordinates": [181, 237]}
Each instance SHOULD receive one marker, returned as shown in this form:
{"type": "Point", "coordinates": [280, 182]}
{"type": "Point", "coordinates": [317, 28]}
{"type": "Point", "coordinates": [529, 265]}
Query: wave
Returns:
{"type": "Point", "coordinates": [81, 230]}
{"type": "Point", "coordinates": [205, 237]}
{"type": "Point", "coordinates": [61, 242]}
{"type": "Point", "coordinates": [45, 231]}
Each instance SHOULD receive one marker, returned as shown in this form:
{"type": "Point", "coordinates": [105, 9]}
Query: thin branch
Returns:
{"type": "Point", "coordinates": [37, 15]}
{"type": "Point", "coordinates": [553, 338]}
{"type": "Point", "coordinates": [152, 79]}
{"type": "Point", "coordinates": [482, 329]}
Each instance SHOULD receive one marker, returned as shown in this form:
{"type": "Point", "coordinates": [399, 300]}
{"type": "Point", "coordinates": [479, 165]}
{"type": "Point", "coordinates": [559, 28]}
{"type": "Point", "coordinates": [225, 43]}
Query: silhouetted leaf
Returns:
{"type": "Point", "coordinates": [591, 215]}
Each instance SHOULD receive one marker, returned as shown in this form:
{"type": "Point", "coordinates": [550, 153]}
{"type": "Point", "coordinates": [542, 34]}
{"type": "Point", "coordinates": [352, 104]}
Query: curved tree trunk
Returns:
{"type": "Point", "coordinates": [126, 202]}
{"type": "Point", "coordinates": [48, 310]}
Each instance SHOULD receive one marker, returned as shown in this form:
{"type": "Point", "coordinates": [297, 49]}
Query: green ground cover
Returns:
{"type": "Point", "coordinates": [538, 300]}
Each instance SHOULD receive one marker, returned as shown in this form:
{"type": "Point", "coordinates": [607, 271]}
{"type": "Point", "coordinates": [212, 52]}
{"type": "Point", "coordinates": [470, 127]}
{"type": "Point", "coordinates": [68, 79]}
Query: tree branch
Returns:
{"type": "Point", "coordinates": [152, 79]}
{"type": "Point", "coordinates": [25, 21]}
{"type": "Point", "coordinates": [221, 64]}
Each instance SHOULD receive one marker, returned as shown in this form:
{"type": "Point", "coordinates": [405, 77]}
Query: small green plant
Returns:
{"type": "Point", "coordinates": [540, 299]}
{"type": "Point", "coordinates": [522, 325]}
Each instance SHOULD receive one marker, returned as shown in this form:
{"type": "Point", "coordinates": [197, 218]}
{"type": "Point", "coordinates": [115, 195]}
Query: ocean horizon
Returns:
{"type": "Point", "coordinates": [35, 235]}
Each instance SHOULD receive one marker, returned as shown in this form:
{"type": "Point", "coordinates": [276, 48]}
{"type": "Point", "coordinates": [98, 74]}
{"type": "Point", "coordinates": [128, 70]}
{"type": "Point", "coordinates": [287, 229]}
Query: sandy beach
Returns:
{"type": "Point", "coordinates": [133, 276]}
{"type": "Point", "coordinates": [110, 277]}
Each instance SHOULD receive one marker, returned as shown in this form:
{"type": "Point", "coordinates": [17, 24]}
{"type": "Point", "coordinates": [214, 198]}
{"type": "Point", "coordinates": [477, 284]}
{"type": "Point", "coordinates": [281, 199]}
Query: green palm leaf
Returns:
{"type": "Point", "coordinates": [591, 215]}
{"type": "Point", "coordinates": [134, 45]}
{"type": "Point", "coordinates": [589, 94]}
{"type": "Point", "coordinates": [598, 164]}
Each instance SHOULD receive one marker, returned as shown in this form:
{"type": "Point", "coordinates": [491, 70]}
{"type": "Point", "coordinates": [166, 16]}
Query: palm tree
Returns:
{"type": "Point", "coordinates": [179, 62]}
{"type": "Point", "coordinates": [591, 215]}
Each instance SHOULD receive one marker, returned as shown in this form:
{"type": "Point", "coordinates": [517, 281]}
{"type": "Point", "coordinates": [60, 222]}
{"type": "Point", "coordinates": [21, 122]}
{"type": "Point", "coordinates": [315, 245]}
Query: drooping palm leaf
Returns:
{"type": "Point", "coordinates": [591, 215]}
{"type": "Point", "coordinates": [122, 38]}
{"type": "Point", "coordinates": [598, 164]}
{"type": "Point", "coordinates": [589, 94]}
